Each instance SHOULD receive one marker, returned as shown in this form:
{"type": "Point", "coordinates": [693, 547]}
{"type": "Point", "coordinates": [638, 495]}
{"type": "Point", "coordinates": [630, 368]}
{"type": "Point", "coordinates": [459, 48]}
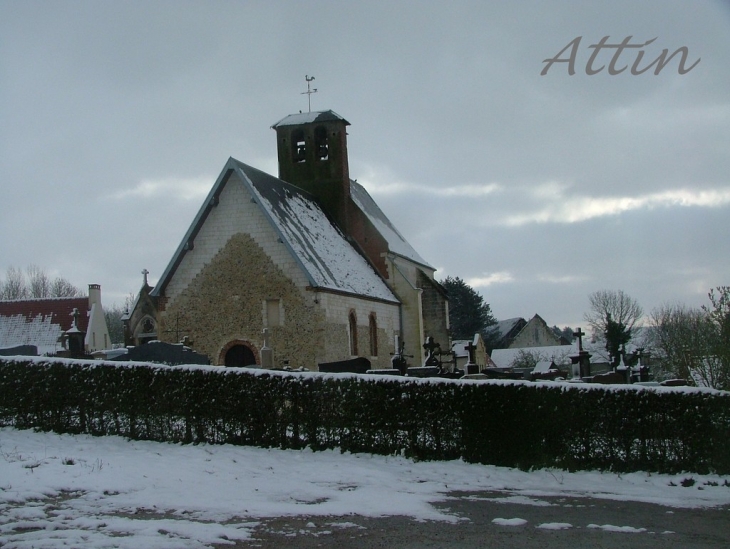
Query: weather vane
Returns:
{"type": "Point", "coordinates": [309, 91]}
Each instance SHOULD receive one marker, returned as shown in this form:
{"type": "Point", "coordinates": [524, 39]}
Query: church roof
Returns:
{"type": "Point", "coordinates": [40, 322]}
{"type": "Point", "coordinates": [396, 243]}
{"type": "Point", "coordinates": [309, 118]}
{"type": "Point", "coordinates": [318, 246]}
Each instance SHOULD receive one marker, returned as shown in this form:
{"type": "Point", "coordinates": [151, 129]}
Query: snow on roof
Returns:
{"type": "Point", "coordinates": [40, 322]}
{"type": "Point", "coordinates": [458, 347]}
{"type": "Point", "coordinates": [396, 243]}
{"type": "Point", "coordinates": [504, 326]}
{"type": "Point", "coordinates": [324, 253]}
{"type": "Point", "coordinates": [308, 118]}
{"type": "Point", "coordinates": [504, 358]}
{"type": "Point", "coordinates": [542, 367]}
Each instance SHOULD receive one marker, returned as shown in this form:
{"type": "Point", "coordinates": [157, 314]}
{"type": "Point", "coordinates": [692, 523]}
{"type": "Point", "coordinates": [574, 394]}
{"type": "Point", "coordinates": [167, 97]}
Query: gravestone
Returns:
{"type": "Point", "coordinates": [497, 373]}
{"type": "Point", "coordinates": [423, 371]}
{"type": "Point", "coordinates": [431, 347]}
{"type": "Point", "coordinates": [267, 355]}
{"type": "Point", "coordinates": [621, 368]}
{"type": "Point", "coordinates": [358, 365]}
{"type": "Point", "coordinates": [19, 350]}
{"type": "Point", "coordinates": [73, 339]}
{"type": "Point", "coordinates": [471, 366]}
{"type": "Point", "coordinates": [610, 378]}
{"type": "Point", "coordinates": [399, 361]}
{"type": "Point", "coordinates": [581, 363]}
{"type": "Point", "coordinates": [163, 353]}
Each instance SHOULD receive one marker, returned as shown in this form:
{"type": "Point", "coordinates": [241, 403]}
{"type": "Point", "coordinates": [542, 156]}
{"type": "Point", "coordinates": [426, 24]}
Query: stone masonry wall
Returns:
{"type": "Point", "coordinates": [434, 306]}
{"type": "Point", "coordinates": [337, 340]}
{"type": "Point", "coordinates": [225, 303]}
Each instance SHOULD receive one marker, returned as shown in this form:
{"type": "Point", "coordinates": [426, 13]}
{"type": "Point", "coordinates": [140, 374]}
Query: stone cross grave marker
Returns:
{"type": "Point", "coordinates": [431, 347]}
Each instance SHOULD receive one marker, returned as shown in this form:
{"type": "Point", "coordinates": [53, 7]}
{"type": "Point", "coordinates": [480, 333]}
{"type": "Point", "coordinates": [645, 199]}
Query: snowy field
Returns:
{"type": "Point", "coordinates": [80, 491]}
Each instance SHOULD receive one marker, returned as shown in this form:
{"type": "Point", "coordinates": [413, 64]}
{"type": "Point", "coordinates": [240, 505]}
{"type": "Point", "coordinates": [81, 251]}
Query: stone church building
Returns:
{"type": "Point", "coordinates": [309, 256]}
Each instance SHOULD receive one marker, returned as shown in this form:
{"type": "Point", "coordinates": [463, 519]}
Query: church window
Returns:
{"type": "Point", "coordinates": [299, 146]}
{"type": "Point", "coordinates": [273, 312]}
{"type": "Point", "coordinates": [353, 333]}
{"type": "Point", "coordinates": [373, 335]}
{"type": "Point", "coordinates": [321, 146]}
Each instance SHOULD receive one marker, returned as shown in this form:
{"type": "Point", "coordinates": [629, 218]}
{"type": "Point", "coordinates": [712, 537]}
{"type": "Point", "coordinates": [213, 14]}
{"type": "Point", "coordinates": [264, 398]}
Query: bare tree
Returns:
{"type": "Point", "coordinates": [114, 316]}
{"type": "Point", "coordinates": [39, 285]}
{"type": "Point", "coordinates": [695, 343]}
{"type": "Point", "coordinates": [679, 336]}
{"type": "Point", "coordinates": [14, 286]}
{"type": "Point", "coordinates": [614, 315]}
{"type": "Point", "coordinates": [60, 287]}
{"type": "Point", "coordinates": [35, 284]}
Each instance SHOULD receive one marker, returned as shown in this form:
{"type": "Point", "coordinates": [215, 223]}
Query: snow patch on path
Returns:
{"type": "Point", "coordinates": [99, 492]}
{"type": "Point", "coordinates": [509, 522]}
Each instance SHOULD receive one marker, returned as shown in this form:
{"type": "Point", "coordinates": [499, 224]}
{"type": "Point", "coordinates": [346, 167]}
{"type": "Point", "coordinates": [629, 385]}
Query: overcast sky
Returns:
{"type": "Point", "coordinates": [117, 117]}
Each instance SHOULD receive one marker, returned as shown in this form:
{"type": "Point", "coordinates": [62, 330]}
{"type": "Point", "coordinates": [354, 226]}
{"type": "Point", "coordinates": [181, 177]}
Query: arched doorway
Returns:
{"type": "Point", "coordinates": [240, 355]}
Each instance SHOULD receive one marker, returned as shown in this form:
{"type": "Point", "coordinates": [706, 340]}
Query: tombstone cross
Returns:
{"type": "Point", "coordinates": [431, 347]}
{"type": "Point", "coordinates": [470, 349]}
{"type": "Point", "coordinates": [75, 313]}
{"type": "Point", "coordinates": [579, 334]}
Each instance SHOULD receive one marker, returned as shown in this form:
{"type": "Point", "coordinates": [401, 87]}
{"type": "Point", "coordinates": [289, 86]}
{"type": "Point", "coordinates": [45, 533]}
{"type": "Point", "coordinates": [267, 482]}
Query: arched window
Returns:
{"type": "Point", "coordinates": [353, 333]}
{"type": "Point", "coordinates": [373, 335]}
{"type": "Point", "coordinates": [321, 146]}
{"type": "Point", "coordinates": [299, 146]}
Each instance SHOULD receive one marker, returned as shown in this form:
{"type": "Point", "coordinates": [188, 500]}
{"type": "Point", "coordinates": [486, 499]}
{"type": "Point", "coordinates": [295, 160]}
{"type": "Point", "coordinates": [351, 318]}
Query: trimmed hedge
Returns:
{"type": "Point", "coordinates": [514, 424]}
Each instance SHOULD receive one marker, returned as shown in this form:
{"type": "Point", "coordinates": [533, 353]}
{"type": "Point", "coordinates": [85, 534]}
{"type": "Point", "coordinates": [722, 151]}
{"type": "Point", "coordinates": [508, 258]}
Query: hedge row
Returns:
{"type": "Point", "coordinates": [513, 424]}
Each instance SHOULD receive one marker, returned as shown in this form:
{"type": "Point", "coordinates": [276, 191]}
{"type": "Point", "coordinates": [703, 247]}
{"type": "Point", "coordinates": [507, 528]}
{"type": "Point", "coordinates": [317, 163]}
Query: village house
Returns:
{"type": "Point", "coordinates": [45, 324]}
{"type": "Point", "coordinates": [535, 333]}
{"type": "Point", "coordinates": [308, 256]}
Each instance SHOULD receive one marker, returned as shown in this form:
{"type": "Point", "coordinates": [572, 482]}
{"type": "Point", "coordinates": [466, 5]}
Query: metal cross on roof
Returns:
{"type": "Point", "coordinates": [309, 91]}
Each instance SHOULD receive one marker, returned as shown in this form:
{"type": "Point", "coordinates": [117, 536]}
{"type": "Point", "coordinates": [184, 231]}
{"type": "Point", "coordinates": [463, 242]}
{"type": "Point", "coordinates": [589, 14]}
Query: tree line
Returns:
{"type": "Point", "coordinates": [35, 283]}
{"type": "Point", "coordinates": [691, 343]}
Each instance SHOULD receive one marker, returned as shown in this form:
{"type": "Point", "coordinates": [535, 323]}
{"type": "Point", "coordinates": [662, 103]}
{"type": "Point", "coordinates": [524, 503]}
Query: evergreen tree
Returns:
{"type": "Point", "coordinates": [468, 314]}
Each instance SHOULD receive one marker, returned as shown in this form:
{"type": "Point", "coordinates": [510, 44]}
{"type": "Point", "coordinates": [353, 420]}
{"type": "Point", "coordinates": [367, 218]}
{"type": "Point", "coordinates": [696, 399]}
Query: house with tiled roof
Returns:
{"type": "Point", "coordinates": [45, 323]}
{"type": "Point", "coordinates": [308, 256]}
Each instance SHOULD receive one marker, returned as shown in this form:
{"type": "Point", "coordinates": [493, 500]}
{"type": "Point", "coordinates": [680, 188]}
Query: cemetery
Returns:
{"type": "Point", "coordinates": [563, 425]}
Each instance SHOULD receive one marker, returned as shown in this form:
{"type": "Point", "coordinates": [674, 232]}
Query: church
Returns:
{"type": "Point", "coordinates": [305, 266]}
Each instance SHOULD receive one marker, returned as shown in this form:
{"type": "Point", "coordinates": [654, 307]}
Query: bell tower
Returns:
{"type": "Point", "coordinates": [312, 151]}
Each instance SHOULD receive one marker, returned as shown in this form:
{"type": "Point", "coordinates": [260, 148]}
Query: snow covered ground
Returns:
{"type": "Point", "coordinates": [81, 491]}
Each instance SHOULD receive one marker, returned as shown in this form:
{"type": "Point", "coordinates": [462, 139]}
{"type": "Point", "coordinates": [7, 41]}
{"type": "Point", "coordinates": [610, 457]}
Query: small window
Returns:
{"type": "Point", "coordinates": [321, 145]}
{"type": "Point", "coordinates": [299, 146]}
{"type": "Point", "coordinates": [273, 316]}
{"type": "Point", "coordinates": [373, 335]}
{"type": "Point", "coordinates": [353, 333]}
